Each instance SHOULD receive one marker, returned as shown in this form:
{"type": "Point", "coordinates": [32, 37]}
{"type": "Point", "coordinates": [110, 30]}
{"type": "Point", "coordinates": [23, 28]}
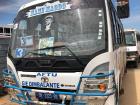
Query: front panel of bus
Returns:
{"type": "Point", "coordinates": [55, 42]}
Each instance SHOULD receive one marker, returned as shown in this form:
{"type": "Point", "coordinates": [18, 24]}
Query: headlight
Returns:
{"type": "Point", "coordinates": [98, 84]}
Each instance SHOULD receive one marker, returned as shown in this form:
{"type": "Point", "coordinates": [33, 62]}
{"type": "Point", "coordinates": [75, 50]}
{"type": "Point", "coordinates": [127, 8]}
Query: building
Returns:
{"type": "Point", "coordinates": [5, 33]}
{"type": "Point", "coordinates": [6, 29]}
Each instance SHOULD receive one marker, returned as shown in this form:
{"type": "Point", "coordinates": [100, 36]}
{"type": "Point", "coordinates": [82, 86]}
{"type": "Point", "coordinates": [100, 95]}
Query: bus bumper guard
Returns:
{"type": "Point", "coordinates": [23, 95]}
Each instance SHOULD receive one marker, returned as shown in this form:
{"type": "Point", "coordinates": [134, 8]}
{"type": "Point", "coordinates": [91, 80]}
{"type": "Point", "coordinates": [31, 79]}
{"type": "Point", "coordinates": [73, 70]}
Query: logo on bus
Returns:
{"type": "Point", "coordinates": [44, 79]}
{"type": "Point", "coordinates": [42, 74]}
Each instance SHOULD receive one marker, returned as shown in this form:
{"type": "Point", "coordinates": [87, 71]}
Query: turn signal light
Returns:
{"type": "Point", "coordinates": [102, 87]}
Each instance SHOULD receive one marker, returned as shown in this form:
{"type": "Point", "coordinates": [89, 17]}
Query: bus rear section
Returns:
{"type": "Point", "coordinates": [63, 52]}
{"type": "Point", "coordinates": [132, 46]}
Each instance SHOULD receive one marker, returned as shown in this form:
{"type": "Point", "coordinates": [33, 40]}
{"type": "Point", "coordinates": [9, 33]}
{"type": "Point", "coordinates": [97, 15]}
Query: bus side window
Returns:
{"type": "Point", "coordinates": [117, 28]}
{"type": "Point", "coordinates": [113, 27]}
{"type": "Point", "coordinates": [121, 32]}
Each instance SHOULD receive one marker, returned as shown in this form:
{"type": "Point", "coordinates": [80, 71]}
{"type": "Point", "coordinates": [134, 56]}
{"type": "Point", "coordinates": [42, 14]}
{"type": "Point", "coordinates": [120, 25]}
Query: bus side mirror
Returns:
{"type": "Point", "coordinates": [123, 8]}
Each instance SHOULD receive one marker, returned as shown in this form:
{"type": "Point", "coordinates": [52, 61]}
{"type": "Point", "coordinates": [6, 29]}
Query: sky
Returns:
{"type": "Point", "coordinates": [9, 8]}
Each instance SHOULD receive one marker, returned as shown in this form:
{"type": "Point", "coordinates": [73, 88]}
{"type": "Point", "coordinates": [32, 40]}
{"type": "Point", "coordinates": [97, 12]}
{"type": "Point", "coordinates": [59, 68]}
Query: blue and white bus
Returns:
{"type": "Point", "coordinates": [66, 52]}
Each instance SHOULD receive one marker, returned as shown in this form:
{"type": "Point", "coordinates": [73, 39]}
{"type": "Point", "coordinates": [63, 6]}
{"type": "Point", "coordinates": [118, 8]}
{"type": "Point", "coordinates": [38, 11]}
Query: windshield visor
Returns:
{"type": "Point", "coordinates": [130, 38]}
{"type": "Point", "coordinates": [80, 26]}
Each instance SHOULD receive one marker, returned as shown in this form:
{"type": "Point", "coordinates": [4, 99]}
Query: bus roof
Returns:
{"type": "Point", "coordinates": [32, 4]}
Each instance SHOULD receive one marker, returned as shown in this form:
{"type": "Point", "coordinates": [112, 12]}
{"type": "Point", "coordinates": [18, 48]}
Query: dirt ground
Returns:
{"type": "Point", "coordinates": [4, 100]}
{"type": "Point", "coordinates": [131, 86]}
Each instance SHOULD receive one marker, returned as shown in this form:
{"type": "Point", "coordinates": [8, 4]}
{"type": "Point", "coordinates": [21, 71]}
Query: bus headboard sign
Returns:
{"type": "Point", "coordinates": [48, 8]}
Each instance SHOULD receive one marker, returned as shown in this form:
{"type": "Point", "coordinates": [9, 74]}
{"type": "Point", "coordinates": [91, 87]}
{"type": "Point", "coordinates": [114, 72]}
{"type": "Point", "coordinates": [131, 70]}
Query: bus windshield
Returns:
{"type": "Point", "coordinates": [130, 38]}
{"type": "Point", "coordinates": [79, 25]}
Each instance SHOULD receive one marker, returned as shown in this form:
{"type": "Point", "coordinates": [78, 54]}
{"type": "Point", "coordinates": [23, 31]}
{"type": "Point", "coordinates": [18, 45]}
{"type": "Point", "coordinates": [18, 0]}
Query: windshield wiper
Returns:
{"type": "Point", "coordinates": [54, 47]}
{"type": "Point", "coordinates": [76, 57]}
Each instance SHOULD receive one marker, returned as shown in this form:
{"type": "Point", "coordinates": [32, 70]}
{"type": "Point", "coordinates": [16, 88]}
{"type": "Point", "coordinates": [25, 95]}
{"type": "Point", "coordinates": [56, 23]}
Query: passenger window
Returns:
{"type": "Point", "coordinates": [117, 28]}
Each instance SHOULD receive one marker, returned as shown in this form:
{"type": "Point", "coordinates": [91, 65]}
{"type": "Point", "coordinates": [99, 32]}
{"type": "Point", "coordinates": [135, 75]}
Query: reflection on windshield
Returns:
{"type": "Point", "coordinates": [130, 38]}
{"type": "Point", "coordinates": [82, 30]}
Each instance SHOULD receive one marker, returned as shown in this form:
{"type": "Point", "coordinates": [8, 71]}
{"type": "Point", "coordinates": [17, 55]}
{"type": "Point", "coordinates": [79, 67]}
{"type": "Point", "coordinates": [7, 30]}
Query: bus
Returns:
{"type": "Point", "coordinates": [133, 45]}
{"type": "Point", "coordinates": [67, 52]}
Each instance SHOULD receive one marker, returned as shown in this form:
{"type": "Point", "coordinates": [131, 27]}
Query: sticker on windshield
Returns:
{"type": "Point", "coordinates": [49, 8]}
{"type": "Point", "coordinates": [20, 52]}
{"type": "Point", "coordinates": [99, 37]}
{"type": "Point", "coordinates": [57, 53]}
{"type": "Point", "coordinates": [100, 25]}
{"type": "Point", "coordinates": [100, 30]}
{"type": "Point", "coordinates": [100, 13]}
{"type": "Point", "coordinates": [100, 34]}
{"type": "Point", "coordinates": [26, 41]}
{"type": "Point", "coordinates": [48, 22]}
{"type": "Point", "coordinates": [46, 42]}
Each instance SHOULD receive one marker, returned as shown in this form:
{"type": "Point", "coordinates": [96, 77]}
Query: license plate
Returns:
{"type": "Point", "coordinates": [49, 97]}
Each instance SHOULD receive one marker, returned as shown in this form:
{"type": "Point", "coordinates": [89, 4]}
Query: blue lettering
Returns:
{"type": "Point", "coordinates": [39, 10]}
{"type": "Point", "coordinates": [24, 83]}
{"type": "Point", "coordinates": [51, 9]}
{"type": "Point", "coordinates": [54, 74]}
{"type": "Point", "coordinates": [30, 83]}
{"type": "Point", "coordinates": [47, 74]}
{"type": "Point", "coordinates": [32, 12]}
{"type": "Point", "coordinates": [56, 7]}
{"type": "Point", "coordinates": [52, 85]}
{"type": "Point", "coordinates": [37, 84]}
{"type": "Point", "coordinates": [47, 9]}
{"type": "Point", "coordinates": [64, 5]}
{"type": "Point", "coordinates": [60, 6]}
{"type": "Point", "coordinates": [42, 10]}
{"type": "Point", "coordinates": [40, 74]}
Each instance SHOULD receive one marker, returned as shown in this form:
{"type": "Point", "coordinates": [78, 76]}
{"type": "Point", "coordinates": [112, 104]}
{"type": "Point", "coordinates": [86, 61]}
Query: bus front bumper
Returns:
{"type": "Point", "coordinates": [26, 96]}
{"type": "Point", "coordinates": [132, 58]}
